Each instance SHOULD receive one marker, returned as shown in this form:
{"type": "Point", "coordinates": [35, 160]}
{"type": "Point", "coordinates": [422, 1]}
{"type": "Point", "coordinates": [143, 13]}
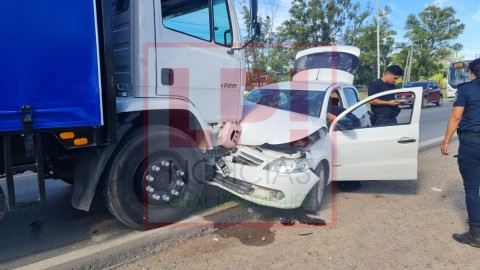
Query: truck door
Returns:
{"type": "Point", "coordinates": [377, 152]}
{"type": "Point", "coordinates": [193, 41]}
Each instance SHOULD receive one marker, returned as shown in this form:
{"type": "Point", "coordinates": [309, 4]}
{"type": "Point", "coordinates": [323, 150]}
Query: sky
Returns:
{"type": "Point", "coordinates": [468, 11]}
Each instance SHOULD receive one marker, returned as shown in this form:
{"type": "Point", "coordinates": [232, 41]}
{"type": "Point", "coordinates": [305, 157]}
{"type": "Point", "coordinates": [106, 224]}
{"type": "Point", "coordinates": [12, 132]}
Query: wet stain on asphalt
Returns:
{"type": "Point", "coordinates": [252, 224]}
{"type": "Point", "coordinates": [249, 233]}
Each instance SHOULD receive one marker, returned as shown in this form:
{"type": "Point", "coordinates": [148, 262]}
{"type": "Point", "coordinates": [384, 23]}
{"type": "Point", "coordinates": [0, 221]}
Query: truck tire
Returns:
{"type": "Point", "coordinates": [154, 178]}
{"type": "Point", "coordinates": [314, 200]}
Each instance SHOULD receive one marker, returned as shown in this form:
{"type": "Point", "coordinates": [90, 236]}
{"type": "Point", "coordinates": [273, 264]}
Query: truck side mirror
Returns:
{"type": "Point", "coordinates": [255, 30]}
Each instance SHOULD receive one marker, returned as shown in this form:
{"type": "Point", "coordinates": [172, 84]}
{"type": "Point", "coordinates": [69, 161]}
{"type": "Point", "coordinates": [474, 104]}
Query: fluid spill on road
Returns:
{"type": "Point", "coordinates": [249, 233]}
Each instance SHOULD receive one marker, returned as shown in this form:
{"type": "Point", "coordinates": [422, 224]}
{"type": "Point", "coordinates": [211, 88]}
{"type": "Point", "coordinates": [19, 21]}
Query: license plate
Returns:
{"type": "Point", "coordinates": [223, 167]}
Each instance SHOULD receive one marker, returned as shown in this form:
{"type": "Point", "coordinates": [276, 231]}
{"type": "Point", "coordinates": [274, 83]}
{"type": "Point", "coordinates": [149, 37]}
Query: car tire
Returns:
{"type": "Point", "coordinates": [440, 101]}
{"type": "Point", "coordinates": [314, 200]}
{"type": "Point", "coordinates": [424, 102]}
{"type": "Point", "coordinates": [172, 159]}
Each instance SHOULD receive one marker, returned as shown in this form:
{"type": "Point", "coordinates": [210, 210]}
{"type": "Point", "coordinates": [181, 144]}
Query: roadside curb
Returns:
{"type": "Point", "coordinates": [432, 143]}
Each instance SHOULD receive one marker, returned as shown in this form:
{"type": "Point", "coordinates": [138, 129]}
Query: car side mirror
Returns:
{"type": "Point", "coordinates": [344, 124]}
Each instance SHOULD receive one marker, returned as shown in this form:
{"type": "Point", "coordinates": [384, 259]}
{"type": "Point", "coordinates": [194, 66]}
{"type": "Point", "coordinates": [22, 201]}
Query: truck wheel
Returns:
{"type": "Point", "coordinates": [155, 178]}
{"type": "Point", "coordinates": [314, 199]}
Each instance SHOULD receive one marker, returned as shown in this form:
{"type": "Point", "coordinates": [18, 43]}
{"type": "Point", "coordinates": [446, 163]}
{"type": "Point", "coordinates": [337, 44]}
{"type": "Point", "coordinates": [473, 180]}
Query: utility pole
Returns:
{"type": "Point", "coordinates": [408, 66]}
{"type": "Point", "coordinates": [378, 39]}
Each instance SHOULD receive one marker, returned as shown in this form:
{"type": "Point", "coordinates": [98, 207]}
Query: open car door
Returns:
{"type": "Point", "coordinates": [362, 151]}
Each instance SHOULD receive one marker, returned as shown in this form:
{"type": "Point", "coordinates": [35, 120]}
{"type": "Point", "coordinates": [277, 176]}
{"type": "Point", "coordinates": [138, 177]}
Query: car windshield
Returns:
{"type": "Point", "coordinates": [415, 84]}
{"type": "Point", "coordinates": [333, 60]}
{"type": "Point", "coordinates": [299, 101]}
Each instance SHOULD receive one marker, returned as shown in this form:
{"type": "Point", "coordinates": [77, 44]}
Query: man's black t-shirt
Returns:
{"type": "Point", "coordinates": [379, 86]}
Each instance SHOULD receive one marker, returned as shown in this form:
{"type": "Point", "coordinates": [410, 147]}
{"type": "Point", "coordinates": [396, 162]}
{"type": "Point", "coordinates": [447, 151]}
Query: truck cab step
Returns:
{"type": "Point", "coordinates": [11, 170]}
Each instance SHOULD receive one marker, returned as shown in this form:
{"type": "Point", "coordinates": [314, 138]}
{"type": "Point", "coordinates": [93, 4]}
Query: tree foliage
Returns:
{"type": "Point", "coordinates": [266, 54]}
{"type": "Point", "coordinates": [432, 32]}
{"type": "Point", "coordinates": [316, 22]}
{"type": "Point", "coordinates": [366, 41]}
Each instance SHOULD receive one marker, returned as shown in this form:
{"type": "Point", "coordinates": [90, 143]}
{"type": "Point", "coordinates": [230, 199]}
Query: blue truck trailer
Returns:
{"type": "Point", "coordinates": [92, 92]}
{"type": "Point", "coordinates": [56, 80]}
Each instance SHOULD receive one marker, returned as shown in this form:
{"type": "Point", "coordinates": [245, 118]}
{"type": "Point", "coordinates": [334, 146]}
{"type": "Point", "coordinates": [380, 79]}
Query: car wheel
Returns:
{"type": "Point", "coordinates": [411, 106]}
{"type": "Point", "coordinates": [154, 178]}
{"type": "Point", "coordinates": [440, 101]}
{"type": "Point", "coordinates": [424, 102]}
{"type": "Point", "coordinates": [314, 199]}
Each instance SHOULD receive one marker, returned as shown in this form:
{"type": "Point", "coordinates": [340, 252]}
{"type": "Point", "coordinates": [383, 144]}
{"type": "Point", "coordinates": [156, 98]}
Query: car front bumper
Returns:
{"type": "Point", "coordinates": [273, 189]}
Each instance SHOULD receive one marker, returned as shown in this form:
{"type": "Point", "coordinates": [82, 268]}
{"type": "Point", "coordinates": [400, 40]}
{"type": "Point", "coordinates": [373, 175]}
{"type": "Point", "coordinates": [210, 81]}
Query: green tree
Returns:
{"type": "Point", "coordinates": [432, 33]}
{"type": "Point", "coordinates": [266, 53]}
{"type": "Point", "coordinates": [316, 22]}
{"type": "Point", "coordinates": [366, 41]}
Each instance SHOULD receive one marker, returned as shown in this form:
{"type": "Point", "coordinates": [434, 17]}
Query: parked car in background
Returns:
{"type": "Point", "coordinates": [432, 93]}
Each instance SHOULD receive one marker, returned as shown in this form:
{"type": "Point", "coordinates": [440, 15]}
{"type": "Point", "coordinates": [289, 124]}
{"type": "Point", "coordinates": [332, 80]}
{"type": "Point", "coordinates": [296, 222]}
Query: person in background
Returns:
{"type": "Point", "coordinates": [385, 109]}
{"type": "Point", "coordinates": [466, 117]}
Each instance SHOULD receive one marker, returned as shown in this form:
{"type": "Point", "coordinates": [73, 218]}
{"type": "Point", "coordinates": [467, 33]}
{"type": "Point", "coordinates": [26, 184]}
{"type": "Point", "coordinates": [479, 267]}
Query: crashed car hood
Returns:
{"type": "Point", "coordinates": [261, 124]}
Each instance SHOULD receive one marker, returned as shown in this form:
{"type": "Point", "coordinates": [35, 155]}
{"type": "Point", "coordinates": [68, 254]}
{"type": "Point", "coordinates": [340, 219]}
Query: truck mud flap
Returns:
{"type": "Point", "coordinates": [89, 169]}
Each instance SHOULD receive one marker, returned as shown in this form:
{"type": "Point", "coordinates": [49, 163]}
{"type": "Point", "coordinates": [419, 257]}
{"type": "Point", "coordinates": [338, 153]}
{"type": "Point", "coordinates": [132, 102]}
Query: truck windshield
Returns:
{"type": "Point", "coordinates": [332, 60]}
{"type": "Point", "coordinates": [458, 73]}
{"type": "Point", "coordinates": [299, 101]}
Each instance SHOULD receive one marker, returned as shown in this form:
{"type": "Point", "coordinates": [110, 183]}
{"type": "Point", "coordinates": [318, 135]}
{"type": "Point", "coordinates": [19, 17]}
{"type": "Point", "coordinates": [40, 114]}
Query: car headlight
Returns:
{"type": "Point", "coordinates": [287, 165]}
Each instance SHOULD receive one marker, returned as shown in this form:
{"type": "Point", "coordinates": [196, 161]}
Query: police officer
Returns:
{"type": "Point", "coordinates": [466, 111]}
{"type": "Point", "coordinates": [385, 109]}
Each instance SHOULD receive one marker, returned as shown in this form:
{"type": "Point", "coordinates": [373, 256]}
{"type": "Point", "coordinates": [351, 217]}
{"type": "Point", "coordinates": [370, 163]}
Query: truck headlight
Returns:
{"type": "Point", "coordinates": [287, 165]}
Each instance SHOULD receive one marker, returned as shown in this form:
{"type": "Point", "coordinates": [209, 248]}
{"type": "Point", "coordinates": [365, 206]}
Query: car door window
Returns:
{"type": "Point", "coordinates": [363, 117]}
{"type": "Point", "coordinates": [350, 96]}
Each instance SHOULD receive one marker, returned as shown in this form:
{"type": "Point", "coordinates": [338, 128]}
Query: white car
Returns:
{"type": "Point", "coordinates": [288, 149]}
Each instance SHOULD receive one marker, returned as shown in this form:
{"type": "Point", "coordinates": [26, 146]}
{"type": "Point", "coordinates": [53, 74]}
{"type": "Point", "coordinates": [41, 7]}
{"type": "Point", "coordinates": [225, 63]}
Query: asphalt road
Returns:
{"type": "Point", "coordinates": [433, 120]}
{"type": "Point", "coordinates": [32, 235]}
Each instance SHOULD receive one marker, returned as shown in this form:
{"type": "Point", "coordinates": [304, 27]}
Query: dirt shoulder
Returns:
{"type": "Point", "coordinates": [383, 225]}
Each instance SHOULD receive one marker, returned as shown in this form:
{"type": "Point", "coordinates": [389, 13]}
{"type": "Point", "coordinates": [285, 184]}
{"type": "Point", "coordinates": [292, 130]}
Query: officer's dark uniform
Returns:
{"type": "Point", "coordinates": [383, 115]}
{"type": "Point", "coordinates": [468, 96]}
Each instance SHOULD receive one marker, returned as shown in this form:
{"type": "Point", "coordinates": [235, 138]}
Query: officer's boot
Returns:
{"type": "Point", "coordinates": [472, 237]}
